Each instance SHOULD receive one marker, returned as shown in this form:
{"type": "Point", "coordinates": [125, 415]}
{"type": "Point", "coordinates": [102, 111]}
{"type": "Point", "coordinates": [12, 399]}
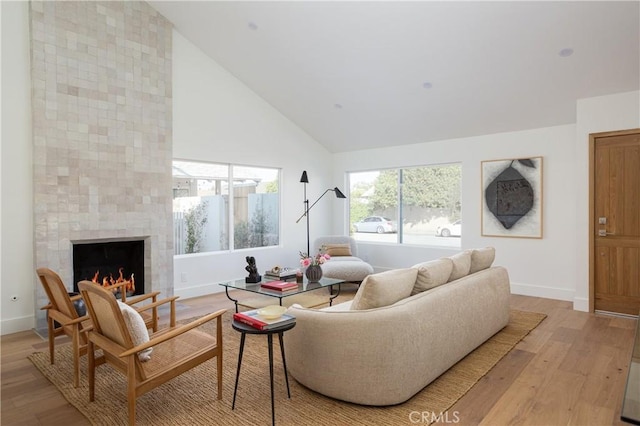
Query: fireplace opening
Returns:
{"type": "Point", "coordinates": [107, 263]}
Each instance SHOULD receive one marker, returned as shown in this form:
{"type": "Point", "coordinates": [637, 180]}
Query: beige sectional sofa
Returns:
{"type": "Point", "coordinates": [399, 337]}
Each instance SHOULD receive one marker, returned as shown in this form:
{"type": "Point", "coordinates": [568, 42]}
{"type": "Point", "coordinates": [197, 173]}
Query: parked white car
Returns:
{"type": "Point", "coordinates": [377, 224]}
{"type": "Point", "coordinates": [450, 229]}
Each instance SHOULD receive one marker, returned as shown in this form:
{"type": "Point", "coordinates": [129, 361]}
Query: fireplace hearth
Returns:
{"type": "Point", "coordinates": [107, 263]}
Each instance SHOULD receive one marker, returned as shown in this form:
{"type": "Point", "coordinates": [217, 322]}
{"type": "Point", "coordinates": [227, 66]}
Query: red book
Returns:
{"type": "Point", "coordinates": [250, 320]}
{"type": "Point", "coordinates": [254, 320]}
{"type": "Point", "coordinates": [279, 285]}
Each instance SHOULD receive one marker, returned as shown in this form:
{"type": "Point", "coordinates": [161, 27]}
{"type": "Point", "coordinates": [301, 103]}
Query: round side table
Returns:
{"type": "Point", "coordinates": [245, 329]}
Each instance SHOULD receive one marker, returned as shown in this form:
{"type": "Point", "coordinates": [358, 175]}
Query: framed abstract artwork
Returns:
{"type": "Point", "coordinates": [512, 198]}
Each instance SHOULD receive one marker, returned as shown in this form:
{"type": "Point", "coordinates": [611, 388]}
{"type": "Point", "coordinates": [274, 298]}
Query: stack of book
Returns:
{"type": "Point", "coordinates": [279, 285]}
{"type": "Point", "coordinates": [255, 320]}
{"type": "Point", "coordinates": [281, 274]}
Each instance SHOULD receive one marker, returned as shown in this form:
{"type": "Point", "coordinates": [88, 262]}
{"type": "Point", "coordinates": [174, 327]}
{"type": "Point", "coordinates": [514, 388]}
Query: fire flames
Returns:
{"type": "Point", "coordinates": [129, 286]}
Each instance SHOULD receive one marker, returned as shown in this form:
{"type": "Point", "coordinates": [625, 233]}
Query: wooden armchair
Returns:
{"type": "Point", "coordinates": [61, 310]}
{"type": "Point", "coordinates": [176, 349]}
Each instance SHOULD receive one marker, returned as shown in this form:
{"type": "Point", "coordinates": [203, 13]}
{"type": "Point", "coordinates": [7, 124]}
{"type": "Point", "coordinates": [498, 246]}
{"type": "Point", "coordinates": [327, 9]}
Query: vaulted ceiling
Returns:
{"type": "Point", "coordinates": [357, 75]}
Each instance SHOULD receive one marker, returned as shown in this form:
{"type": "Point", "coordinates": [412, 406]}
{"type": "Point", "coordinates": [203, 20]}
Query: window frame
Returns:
{"type": "Point", "coordinates": [399, 217]}
{"type": "Point", "coordinates": [231, 207]}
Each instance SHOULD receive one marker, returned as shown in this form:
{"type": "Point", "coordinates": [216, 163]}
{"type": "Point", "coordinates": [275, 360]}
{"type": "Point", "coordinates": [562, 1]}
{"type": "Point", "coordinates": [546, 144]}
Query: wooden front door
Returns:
{"type": "Point", "coordinates": [615, 221]}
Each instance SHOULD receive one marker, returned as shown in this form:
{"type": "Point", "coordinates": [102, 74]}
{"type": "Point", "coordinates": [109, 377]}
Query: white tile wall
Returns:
{"type": "Point", "coordinates": [102, 117]}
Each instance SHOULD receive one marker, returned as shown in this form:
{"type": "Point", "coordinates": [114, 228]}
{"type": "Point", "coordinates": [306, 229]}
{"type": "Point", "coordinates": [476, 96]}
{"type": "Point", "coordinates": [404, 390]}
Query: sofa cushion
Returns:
{"type": "Point", "coordinates": [432, 274]}
{"type": "Point", "coordinates": [337, 249]}
{"type": "Point", "coordinates": [482, 259]}
{"type": "Point", "coordinates": [461, 265]}
{"type": "Point", "coordinates": [384, 288]}
{"type": "Point", "coordinates": [137, 329]}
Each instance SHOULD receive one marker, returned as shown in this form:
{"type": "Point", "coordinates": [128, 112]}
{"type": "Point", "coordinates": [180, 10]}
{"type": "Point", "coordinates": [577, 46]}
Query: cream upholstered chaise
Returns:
{"type": "Point", "coordinates": [345, 263]}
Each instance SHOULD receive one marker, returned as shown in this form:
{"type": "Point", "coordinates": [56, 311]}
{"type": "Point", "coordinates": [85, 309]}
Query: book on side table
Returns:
{"type": "Point", "coordinates": [256, 320]}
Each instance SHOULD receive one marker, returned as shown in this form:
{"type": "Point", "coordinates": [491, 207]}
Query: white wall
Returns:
{"type": "Point", "coordinates": [601, 114]}
{"type": "Point", "coordinates": [217, 118]}
{"type": "Point", "coordinates": [17, 274]}
{"type": "Point", "coordinates": [542, 267]}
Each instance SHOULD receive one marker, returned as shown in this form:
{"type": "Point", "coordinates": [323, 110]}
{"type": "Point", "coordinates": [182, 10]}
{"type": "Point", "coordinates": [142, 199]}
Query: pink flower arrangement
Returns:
{"type": "Point", "coordinates": [318, 259]}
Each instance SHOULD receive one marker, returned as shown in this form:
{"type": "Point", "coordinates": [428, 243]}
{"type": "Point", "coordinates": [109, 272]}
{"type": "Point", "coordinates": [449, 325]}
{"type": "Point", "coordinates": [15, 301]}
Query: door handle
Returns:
{"type": "Point", "coordinates": [604, 233]}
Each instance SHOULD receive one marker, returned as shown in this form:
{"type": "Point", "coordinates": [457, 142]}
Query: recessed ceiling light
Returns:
{"type": "Point", "coordinates": [252, 26]}
{"type": "Point", "coordinates": [567, 51]}
{"type": "Point", "coordinates": [427, 85]}
{"type": "Point", "coordinates": [337, 106]}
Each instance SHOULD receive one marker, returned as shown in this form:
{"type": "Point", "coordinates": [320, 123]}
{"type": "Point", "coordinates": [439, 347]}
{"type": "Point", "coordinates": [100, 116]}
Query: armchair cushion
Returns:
{"type": "Point", "coordinates": [137, 329]}
{"type": "Point", "coordinates": [335, 239]}
{"type": "Point", "coordinates": [338, 249]}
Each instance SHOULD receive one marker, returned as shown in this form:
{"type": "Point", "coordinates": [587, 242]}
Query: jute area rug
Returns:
{"type": "Point", "coordinates": [190, 399]}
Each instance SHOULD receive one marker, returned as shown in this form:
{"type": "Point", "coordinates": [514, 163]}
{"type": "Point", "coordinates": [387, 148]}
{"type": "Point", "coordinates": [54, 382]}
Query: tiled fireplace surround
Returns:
{"type": "Point", "coordinates": [102, 117]}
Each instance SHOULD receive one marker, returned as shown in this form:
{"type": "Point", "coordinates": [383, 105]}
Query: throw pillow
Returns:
{"type": "Point", "coordinates": [137, 329]}
{"type": "Point", "coordinates": [337, 249]}
{"type": "Point", "coordinates": [384, 288]}
{"type": "Point", "coordinates": [482, 259]}
{"type": "Point", "coordinates": [432, 274]}
{"type": "Point", "coordinates": [461, 265]}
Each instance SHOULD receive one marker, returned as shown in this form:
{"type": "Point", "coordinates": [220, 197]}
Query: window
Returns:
{"type": "Point", "coordinates": [418, 205]}
{"type": "Point", "coordinates": [255, 197]}
{"type": "Point", "coordinates": [202, 207]}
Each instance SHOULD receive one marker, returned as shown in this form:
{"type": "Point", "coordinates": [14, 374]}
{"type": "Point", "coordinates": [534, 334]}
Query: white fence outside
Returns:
{"type": "Point", "coordinates": [179, 233]}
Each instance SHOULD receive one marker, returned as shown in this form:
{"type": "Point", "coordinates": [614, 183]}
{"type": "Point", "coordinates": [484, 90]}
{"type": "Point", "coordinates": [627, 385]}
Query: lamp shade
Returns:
{"type": "Point", "coordinates": [339, 193]}
{"type": "Point", "coordinates": [304, 178]}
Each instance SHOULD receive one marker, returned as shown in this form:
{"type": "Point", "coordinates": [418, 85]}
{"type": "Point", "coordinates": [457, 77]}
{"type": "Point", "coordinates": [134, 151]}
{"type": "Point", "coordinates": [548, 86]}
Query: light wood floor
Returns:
{"type": "Point", "coordinates": [571, 370]}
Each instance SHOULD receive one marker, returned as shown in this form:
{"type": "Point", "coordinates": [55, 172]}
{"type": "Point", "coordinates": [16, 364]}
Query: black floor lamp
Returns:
{"type": "Point", "coordinates": [304, 179]}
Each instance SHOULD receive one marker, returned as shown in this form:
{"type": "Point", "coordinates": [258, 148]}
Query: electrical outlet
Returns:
{"type": "Point", "coordinates": [183, 277]}
{"type": "Point", "coordinates": [14, 298]}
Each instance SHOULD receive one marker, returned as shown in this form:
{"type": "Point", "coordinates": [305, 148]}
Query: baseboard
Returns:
{"type": "Point", "coordinates": [15, 325]}
{"type": "Point", "coordinates": [378, 269]}
{"type": "Point", "coordinates": [581, 304]}
{"type": "Point", "coordinates": [202, 290]}
{"type": "Point", "coordinates": [542, 291]}
{"type": "Point", "coordinates": [617, 315]}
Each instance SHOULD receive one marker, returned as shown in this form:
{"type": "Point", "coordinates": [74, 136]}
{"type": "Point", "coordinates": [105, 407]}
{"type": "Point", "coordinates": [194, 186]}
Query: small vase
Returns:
{"type": "Point", "coordinates": [313, 273]}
